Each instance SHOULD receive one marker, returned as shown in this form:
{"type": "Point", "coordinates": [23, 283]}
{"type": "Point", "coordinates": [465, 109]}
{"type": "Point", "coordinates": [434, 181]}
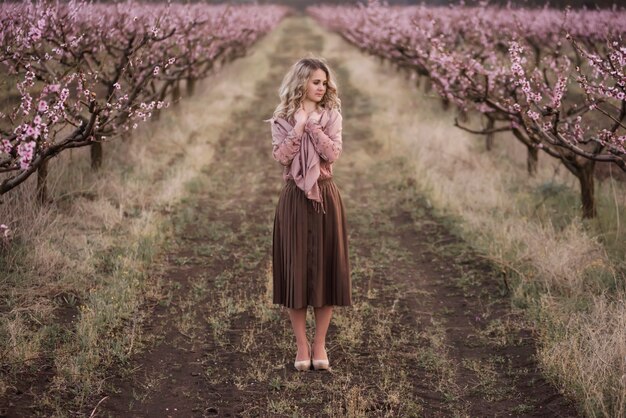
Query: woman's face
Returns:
{"type": "Point", "coordinates": [316, 86]}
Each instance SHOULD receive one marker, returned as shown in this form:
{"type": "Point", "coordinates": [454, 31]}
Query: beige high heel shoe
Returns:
{"type": "Point", "coordinates": [321, 364]}
{"type": "Point", "coordinates": [303, 365]}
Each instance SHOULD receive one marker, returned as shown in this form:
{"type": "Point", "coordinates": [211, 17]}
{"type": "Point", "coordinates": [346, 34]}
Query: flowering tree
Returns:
{"type": "Point", "coordinates": [512, 66]}
{"type": "Point", "coordinates": [87, 73]}
{"type": "Point", "coordinates": [579, 133]}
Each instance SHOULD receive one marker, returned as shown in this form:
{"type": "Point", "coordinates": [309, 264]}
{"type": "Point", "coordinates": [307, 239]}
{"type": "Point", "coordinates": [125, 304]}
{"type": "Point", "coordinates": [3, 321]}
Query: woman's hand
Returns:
{"type": "Point", "coordinates": [301, 115]}
{"type": "Point", "coordinates": [315, 116]}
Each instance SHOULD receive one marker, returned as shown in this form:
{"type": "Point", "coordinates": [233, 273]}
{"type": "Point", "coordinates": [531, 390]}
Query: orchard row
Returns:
{"type": "Point", "coordinates": [555, 79]}
{"type": "Point", "coordinates": [79, 74]}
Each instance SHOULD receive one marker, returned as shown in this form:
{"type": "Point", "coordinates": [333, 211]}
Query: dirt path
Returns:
{"type": "Point", "coordinates": [429, 334]}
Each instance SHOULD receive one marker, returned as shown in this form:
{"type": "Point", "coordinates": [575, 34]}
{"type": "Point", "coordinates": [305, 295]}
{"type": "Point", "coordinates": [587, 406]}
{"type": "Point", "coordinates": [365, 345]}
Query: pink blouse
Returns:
{"type": "Point", "coordinates": [325, 136]}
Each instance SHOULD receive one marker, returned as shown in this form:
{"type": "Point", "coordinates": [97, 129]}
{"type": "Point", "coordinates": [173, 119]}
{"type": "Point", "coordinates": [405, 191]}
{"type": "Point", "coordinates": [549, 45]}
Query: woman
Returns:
{"type": "Point", "coordinates": [310, 240]}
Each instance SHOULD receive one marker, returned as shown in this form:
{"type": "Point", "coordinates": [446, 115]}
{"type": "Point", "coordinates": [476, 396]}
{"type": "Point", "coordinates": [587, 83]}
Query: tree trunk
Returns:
{"type": "Point", "coordinates": [191, 86]}
{"type": "Point", "coordinates": [42, 186]}
{"type": "Point", "coordinates": [428, 85]}
{"type": "Point", "coordinates": [463, 117]}
{"type": "Point", "coordinates": [176, 93]}
{"type": "Point", "coordinates": [96, 155]}
{"type": "Point", "coordinates": [445, 103]}
{"type": "Point", "coordinates": [587, 189]}
{"type": "Point", "coordinates": [532, 160]}
{"type": "Point", "coordinates": [408, 73]}
{"type": "Point", "coordinates": [489, 137]}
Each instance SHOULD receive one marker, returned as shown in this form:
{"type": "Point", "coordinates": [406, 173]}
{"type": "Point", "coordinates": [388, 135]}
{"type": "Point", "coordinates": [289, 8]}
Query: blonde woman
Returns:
{"type": "Point", "coordinates": [310, 239]}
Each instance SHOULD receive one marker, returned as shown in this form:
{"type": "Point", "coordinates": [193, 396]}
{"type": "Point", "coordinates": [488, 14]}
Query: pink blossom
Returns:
{"type": "Point", "coordinates": [25, 152]}
{"type": "Point", "coordinates": [5, 146]}
{"type": "Point", "coordinates": [533, 115]}
{"type": "Point", "coordinates": [34, 34]}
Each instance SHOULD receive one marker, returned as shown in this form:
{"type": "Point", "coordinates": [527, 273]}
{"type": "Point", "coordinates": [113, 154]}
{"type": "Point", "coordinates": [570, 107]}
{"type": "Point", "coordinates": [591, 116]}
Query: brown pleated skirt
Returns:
{"type": "Point", "coordinates": [310, 249]}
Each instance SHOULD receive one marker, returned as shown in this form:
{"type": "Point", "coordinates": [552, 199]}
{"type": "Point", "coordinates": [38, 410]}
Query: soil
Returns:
{"type": "Point", "coordinates": [431, 331]}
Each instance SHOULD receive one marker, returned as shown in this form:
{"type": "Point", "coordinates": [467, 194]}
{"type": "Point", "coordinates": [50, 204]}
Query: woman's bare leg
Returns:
{"type": "Point", "coordinates": [298, 322]}
{"type": "Point", "coordinates": [322, 321]}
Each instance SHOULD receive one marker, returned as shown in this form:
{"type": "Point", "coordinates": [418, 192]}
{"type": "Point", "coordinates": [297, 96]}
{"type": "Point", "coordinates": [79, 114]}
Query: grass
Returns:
{"type": "Point", "coordinates": [567, 274]}
{"type": "Point", "coordinates": [94, 258]}
{"type": "Point", "coordinates": [87, 266]}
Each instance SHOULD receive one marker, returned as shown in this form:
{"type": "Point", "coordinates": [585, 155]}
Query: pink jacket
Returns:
{"type": "Point", "coordinates": [303, 163]}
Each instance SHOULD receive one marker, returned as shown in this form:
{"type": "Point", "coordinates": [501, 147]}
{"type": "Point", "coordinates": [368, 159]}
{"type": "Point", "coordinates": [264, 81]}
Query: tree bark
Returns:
{"type": "Point", "coordinates": [532, 160]}
{"type": "Point", "coordinates": [191, 86]}
{"type": "Point", "coordinates": [96, 155]}
{"type": "Point", "coordinates": [445, 103]}
{"type": "Point", "coordinates": [587, 189]}
{"type": "Point", "coordinates": [463, 117]}
{"type": "Point", "coordinates": [176, 93]}
{"type": "Point", "coordinates": [428, 85]}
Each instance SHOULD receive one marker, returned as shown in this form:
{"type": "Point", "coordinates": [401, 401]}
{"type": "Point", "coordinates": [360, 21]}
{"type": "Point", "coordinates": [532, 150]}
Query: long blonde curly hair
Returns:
{"type": "Point", "coordinates": [292, 89]}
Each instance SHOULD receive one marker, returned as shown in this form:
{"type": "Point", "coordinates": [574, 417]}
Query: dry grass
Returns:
{"type": "Point", "coordinates": [568, 273]}
{"type": "Point", "coordinates": [82, 268]}
{"type": "Point", "coordinates": [89, 256]}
